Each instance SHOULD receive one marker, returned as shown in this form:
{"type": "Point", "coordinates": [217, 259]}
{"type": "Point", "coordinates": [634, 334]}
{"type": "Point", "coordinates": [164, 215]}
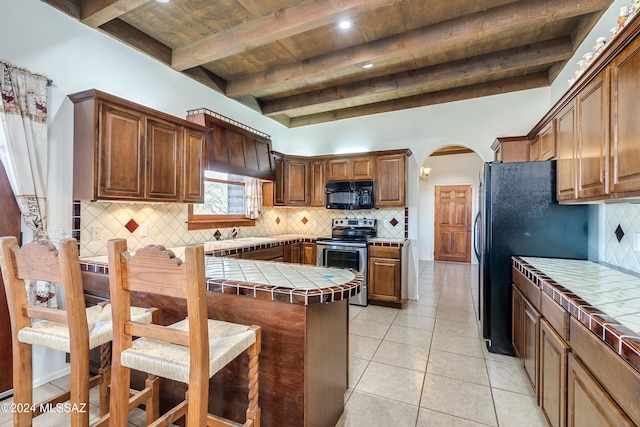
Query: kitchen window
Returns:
{"type": "Point", "coordinates": [224, 198]}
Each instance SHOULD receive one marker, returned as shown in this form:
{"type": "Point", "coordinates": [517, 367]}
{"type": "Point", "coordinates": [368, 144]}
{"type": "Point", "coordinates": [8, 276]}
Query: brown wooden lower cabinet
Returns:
{"type": "Point", "coordinates": [530, 323]}
{"type": "Point", "coordinates": [524, 334]}
{"type": "Point", "coordinates": [517, 307]}
{"type": "Point", "coordinates": [552, 384]}
{"type": "Point", "coordinates": [579, 380]}
{"type": "Point", "coordinates": [588, 403]}
{"type": "Point", "coordinates": [309, 253]}
{"type": "Point", "coordinates": [384, 276]}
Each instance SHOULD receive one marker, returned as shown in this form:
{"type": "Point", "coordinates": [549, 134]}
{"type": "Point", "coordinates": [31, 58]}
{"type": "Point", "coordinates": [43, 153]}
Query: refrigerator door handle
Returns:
{"type": "Point", "coordinates": [476, 237]}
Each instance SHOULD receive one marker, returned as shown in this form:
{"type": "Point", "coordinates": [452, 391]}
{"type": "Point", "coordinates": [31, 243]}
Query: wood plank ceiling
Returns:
{"type": "Point", "coordinates": [289, 59]}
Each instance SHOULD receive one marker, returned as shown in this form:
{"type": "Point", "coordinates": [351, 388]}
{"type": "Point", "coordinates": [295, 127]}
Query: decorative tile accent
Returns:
{"type": "Point", "coordinates": [278, 220]}
{"type": "Point", "coordinates": [393, 222]}
{"type": "Point", "coordinates": [131, 226]}
{"type": "Point", "coordinates": [619, 233]}
{"type": "Point", "coordinates": [304, 220]}
{"type": "Point", "coordinates": [217, 234]}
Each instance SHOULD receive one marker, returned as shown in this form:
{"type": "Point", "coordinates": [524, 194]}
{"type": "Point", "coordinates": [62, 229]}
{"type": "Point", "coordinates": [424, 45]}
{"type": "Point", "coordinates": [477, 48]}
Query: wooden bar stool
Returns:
{"type": "Point", "coordinates": [75, 330]}
{"type": "Point", "coordinates": [190, 351]}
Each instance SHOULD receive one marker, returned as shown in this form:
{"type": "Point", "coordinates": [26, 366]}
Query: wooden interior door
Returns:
{"type": "Point", "coordinates": [9, 226]}
{"type": "Point", "coordinates": [453, 223]}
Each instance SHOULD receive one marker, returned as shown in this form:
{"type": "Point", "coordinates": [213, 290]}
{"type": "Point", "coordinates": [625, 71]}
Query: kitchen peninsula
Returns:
{"type": "Point", "coordinates": [303, 312]}
{"type": "Point", "coordinates": [576, 327]}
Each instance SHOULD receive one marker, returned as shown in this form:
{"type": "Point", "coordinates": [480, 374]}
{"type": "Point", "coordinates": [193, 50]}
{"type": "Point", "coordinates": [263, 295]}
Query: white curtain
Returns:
{"type": "Point", "coordinates": [252, 197]}
{"type": "Point", "coordinates": [24, 154]}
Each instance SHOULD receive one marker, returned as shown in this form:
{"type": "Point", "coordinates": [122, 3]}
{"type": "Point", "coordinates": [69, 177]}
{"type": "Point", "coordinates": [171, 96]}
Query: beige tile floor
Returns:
{"type": "Point", "coordinates": [426, 365]}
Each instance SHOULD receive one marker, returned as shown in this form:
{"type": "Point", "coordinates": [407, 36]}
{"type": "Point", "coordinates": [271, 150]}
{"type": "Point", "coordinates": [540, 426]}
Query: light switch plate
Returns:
{"type": "Point", "coordinates": [635, 245]}
{"type": "Point", "coordinates": [144, 231]}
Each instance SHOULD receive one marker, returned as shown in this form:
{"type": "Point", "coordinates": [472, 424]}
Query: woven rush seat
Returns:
{"type": "Point", "coordinates": [55, 335]}
{"type": "Point", "coordinates": [172, 361]}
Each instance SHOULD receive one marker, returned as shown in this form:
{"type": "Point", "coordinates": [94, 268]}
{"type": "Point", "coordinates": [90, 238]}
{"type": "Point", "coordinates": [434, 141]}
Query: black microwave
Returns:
{"type": "Point", "coordinates": [349, 195]}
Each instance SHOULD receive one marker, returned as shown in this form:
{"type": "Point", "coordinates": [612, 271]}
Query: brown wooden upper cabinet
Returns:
{"type": "Point", "coordinates": [350, 168]}
{"type": "Point", "coordinates": [545, 143]}
{"type": "Point", "coordinates": [317, 195]}
{"type": "Point", "coordinates": [592, 153]}
{"type": "Point", "coordinates": [124, 151]}
{"type": "Point", "coordinates": [565, 146]}
{"type": "Point", "coordinates": [296, 182]}
{"type": "Point", "coordinates": [390, 180]}
{"type": "Point", "coordinates": [624, 174]}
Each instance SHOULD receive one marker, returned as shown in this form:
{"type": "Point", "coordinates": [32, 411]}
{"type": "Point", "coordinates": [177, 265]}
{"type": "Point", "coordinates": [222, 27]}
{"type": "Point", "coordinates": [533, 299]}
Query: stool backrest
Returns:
{"type": "Point", "coordinates": [40, 260]}
{"type": "Point", "coordinates": [155, 270]}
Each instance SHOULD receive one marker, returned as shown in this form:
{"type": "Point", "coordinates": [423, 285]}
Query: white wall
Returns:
{"type": "Point", "coordinates": [459, 169]}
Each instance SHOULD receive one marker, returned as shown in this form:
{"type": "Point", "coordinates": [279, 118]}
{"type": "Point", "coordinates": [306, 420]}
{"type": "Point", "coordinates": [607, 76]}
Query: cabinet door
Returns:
{"type": "Point", "coordinates": [530, 336]}
{"type": "Point", "coordinates": [588, 404]}
{"type": "Point", "coordinates": [553, 375]}
{"type": "Point", "coordinates": [517, 310]}
{"type": "Point", "coordinates": [193, 167]}
{"type": "Point", "coordinates": [361, 168]}
{"type": "Point", "coordinates": [317, 183]}
{"type": "Point", "coordinates": [625, 126]}
{"type": "Point", "coordinates": [384, 279]}
{"type": "Point", "coordinates": [278, 192]}
{"type": "Point", "coordinates": [547, 142]}
{"type": "Point", "coordinates": [337, 170]}
{"type": "Point", "coordinates": [534, 149]}
{"type": "Point", "coordinates": [296, 182]}
{"type": "Point", "coordinates": [390, 180]}
{"type": "Point", "coordinates": [163, 148]}
{"type": "Point", "coordinates": [121, 153]}
{"type": "Point", "coordinates": [309, 253]}
{"type": "Point", "coordinates": [593, 137]}
{"type": "Point", "coordinates": [565, 142]}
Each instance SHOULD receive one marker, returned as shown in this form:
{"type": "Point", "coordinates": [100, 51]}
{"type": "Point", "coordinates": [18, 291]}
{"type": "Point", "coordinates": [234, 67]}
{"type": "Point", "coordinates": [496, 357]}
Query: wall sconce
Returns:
{"type": "Point", "coordinates": [424, 174]}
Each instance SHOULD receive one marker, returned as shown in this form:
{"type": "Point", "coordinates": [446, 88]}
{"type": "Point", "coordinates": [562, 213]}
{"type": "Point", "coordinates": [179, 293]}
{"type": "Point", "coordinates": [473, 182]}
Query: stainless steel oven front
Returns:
{"type": "Point", "coordinates": [345, 254]}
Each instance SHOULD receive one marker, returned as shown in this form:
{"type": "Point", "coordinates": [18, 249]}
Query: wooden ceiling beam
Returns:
{"type": "Point", "coordinates": [458, 94]}
{"type": "Point", "coordinates": [120, 30]}
{"type": "Point", "coordinates": [418, 81]}
{"type": "Point", "coordinates": [283, 23]}
{"type": "Point", "coordinates": [438, 37]}
{"type": "Point", "coordinates": [98, 12]}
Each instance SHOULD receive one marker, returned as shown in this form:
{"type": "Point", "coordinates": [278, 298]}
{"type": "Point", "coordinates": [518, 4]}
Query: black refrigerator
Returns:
{"type": "Point", "coordinates": [519, 215]}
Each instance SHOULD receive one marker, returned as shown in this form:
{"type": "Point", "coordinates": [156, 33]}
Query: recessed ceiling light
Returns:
{"type": "Point", "coordinates": [367, 66]}
{"type": "Point", "coordinates": [163, 1]}
{"type": "Point", "coordinates": [345, 24]}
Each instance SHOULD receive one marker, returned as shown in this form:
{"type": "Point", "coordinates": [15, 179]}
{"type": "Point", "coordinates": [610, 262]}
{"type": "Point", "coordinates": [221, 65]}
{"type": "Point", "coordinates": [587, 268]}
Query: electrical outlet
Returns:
{"type": "Point", "coordinates": [96, 231]}
{"type": "Point", "coordinates": [144, 231]}
{"type": "Point", "coordinates": [385, 223]}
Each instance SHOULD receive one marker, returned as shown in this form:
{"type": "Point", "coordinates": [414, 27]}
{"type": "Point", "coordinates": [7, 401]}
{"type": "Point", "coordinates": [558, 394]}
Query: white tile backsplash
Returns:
{"type": "Point", "coordinates": [621, 254]}
{"type": "Point", "coordinates": [167, 224]}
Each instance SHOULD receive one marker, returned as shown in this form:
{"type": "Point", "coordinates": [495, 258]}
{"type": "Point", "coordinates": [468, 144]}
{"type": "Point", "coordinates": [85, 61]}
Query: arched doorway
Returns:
{"type": "Point", "coordinates": [453, 174]}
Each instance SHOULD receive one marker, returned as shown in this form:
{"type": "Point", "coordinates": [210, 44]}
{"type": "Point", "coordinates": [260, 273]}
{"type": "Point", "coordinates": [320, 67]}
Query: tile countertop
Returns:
{"type": "Point", "coordinates": [604, 299]}
{"type": "Point", "coordinates": [279, 281]}
{"type": "Point", "coordinates": [267, 280]}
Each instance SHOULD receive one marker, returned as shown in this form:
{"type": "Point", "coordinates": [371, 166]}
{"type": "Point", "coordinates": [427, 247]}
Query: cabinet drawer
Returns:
{"type": "Point", "coordinates": [527, 287]}
{"type": "Point", "coordinates": [557, 316]}
{"type": "Point", "coordinates": [384, 252]}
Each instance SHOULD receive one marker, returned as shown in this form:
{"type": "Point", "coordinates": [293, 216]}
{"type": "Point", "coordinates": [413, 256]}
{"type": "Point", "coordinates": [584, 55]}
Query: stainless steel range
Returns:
{"type": "Point", "coordinates": [347, 248]}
